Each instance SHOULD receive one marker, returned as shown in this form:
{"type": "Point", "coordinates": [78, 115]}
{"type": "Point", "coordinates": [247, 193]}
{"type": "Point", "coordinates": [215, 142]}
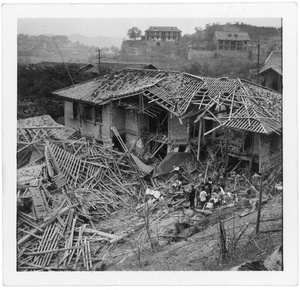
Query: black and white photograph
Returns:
{"type": "Point", "coordinates": [152, 139]}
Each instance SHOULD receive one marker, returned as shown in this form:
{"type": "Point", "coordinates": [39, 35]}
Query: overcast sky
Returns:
{"type": "Point", "coordinates": [118, 27]}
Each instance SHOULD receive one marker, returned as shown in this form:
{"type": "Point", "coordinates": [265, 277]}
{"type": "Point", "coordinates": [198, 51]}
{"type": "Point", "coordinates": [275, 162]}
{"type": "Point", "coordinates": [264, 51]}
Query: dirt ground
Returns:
{"type": "Point", "coordinates": [194, 248]}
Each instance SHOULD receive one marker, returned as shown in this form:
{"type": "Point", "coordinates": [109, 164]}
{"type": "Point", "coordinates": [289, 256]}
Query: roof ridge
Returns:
{"type": "Point", "coordinates": [75, 85]}
{"type": "Point", "coordinates": [195, 76]}
{"type": "Point", "coordinates": [268, 57]}
{"type": "Point", "coordinates": [156, 70]}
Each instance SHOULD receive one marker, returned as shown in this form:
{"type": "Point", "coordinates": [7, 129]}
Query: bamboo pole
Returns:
{"type": "Point", "coordinates": [259, 201]}
{"type": "Point", "coordinates": [51, 251]}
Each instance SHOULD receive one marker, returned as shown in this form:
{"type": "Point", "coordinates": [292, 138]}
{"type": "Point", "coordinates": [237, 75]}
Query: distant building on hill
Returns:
{"type": "Point", "coordinates": [159, 35]}
{"type": "Point", "coordinates": [271, 71]}
{"type": "Point", "coordinates": [225, 40]}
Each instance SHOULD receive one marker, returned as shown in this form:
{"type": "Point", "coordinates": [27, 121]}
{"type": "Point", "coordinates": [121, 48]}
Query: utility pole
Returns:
{"type": "Point", "coordinates": [258, 51]}
{"type": "Point", "coordinates": [99, 60]}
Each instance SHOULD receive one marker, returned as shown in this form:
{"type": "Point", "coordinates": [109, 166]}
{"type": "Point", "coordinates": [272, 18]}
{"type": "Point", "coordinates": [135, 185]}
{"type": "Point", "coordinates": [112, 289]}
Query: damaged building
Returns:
{"type": "Point", "coordinates": [156, 112]}
{"type": "Point", "coordinates": [110, 175]}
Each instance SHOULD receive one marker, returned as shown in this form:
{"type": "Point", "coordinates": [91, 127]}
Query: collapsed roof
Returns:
{"type": "Point", "coordinates": [176, 91]}
{"type": "Point", "coordinates": [31, 129]}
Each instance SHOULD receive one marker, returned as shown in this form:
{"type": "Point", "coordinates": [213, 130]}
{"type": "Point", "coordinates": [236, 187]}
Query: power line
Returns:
{"type": "Point", "coordinates": [63, 60]}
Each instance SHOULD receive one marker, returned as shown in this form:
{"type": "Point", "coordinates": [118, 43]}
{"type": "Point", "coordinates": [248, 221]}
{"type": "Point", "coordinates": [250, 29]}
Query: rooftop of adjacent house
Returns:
{"type": "Point", "coordinates": [274, 62]}
{"type": "Point", "coordinates": [163, 28]}
{"type": "Point", "coordinates": [86, 66]}
{"type": "Point", "coordinates": [225, 35]}
{"type": "Point", "coordinates": [44, 125]}
{"type": "Point", "coordinates": [175, 91]}
{"type": "Point", "coordinates": [55, 63]}
{"type": "Point", "coordinates": [116, 66]}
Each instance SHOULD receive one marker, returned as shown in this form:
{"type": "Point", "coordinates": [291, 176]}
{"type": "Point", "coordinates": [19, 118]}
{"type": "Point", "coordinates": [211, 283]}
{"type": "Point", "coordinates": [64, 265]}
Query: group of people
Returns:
{"type": "Point", "coordinates": [206, 194]}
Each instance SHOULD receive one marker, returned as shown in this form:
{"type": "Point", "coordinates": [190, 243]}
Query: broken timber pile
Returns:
{"type": "Point", "coordinates": [71, 184]}
{"type": "Point", "coordinates": [67, 185]}
{"type": "Point", "coordinates": [60, 241]}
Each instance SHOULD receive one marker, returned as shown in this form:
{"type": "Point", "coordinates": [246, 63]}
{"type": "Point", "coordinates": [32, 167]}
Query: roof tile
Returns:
{"type": "Point", "coordinates": [175, 90]}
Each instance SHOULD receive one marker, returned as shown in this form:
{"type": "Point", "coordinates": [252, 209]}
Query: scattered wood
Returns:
{"type": "Point", "coordinates": [77, 183]}
{"type": "Point", "coordinates": [203, 211]}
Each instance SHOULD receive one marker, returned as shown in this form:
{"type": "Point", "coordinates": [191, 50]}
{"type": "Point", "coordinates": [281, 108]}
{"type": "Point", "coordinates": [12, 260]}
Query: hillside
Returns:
{"type": "Point", "coordinates": [33, 49]}
{"type": "Point", "coordinates": [196, 52]}
{"type": "Point", "coordinates": [194, 245]}
{"type": "Point", "coordinates": [98, 41]}
{"type": "Point", "coordinates": [268, 36]}
{"type": "Point", "coordinates": [76, 48]}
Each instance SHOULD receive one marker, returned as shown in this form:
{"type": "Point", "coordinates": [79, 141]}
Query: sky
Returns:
{"type": "Point", "coordinates": [118, 27]}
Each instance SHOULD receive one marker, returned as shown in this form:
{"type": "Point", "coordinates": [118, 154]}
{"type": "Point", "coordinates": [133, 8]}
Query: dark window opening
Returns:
{"type": "Point", "coordinates": [275, 85]}
{"type": "Point", "coordinates": [248, 142]}
{"type": "Point", "coordinates": [75, 111]}
{"type": "Point", "coordinates": [88, 112]}
{"type": "Point", "coordinates": [181, 148]}
{"type": "Point", "coordinates": [157, 44]}
{"type": "Point", "coordinates": [98, 114]}
{"type": "Point", "coordinates": [117, 145]}
{"type": "Point", "coordinates": [159, 124]}
{"type": "Point", "coordinates": [194, 129]}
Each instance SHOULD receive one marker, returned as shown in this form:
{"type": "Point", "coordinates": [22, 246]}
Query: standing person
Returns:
{"type": "Point", "coordinates": [209, 184]}
{"type": "Point", "coordinates": [190, 191]}
{"type": "Point", "coordinates": [208, 195]}
{"type": "Point", "coordinates": [222, 195]}
{"type": "Point", "coordinates": [187, 190]}
{"type": "Point", "coordinates": [216, 200]}
{"type": "Point", "coordinates": [192, 197]}
{"type": "Point", "coordinates": [197, 194]}
{"type": "Point", "coordinates": [203, 197]}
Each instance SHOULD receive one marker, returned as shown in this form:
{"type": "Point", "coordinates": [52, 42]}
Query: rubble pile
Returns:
{"type": "Point", "coordinates": [69, 187]}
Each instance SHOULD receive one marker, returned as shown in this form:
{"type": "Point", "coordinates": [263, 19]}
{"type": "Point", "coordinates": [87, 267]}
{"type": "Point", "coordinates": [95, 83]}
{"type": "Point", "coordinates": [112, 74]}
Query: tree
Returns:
{"type": "Point", "coordinates": [198, 29]}
{"type": "Point", "coordinates": [36, 84]}
{"type": "Point", "coordinates": [134, 33]}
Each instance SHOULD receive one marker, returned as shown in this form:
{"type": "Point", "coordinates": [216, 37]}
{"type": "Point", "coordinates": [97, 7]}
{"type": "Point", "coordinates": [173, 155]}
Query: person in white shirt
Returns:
{"type": "Point", "coordinates": [202, 196]}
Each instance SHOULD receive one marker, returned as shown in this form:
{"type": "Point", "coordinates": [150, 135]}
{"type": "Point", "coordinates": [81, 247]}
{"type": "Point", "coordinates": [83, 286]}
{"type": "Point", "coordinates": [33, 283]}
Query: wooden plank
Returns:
{"type": "Point", "coordinates": [45, 224]}
{"type": "Point", "coordinates": [100, 233]}
{"type": "Point", "coordinates": [51, 251]}
{"type": "Point", "coordinates": [53, 157]}
{"type": "Point", "coordinates": [41, 127]}
{"type": "Point", "coordinates": [38, 202]}
{"type": "Point", "coordinates": [77, 175]}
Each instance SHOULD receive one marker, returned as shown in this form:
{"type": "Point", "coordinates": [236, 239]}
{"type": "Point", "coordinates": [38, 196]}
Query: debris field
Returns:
{"type": "Point", "coordinates": [77, 200]}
